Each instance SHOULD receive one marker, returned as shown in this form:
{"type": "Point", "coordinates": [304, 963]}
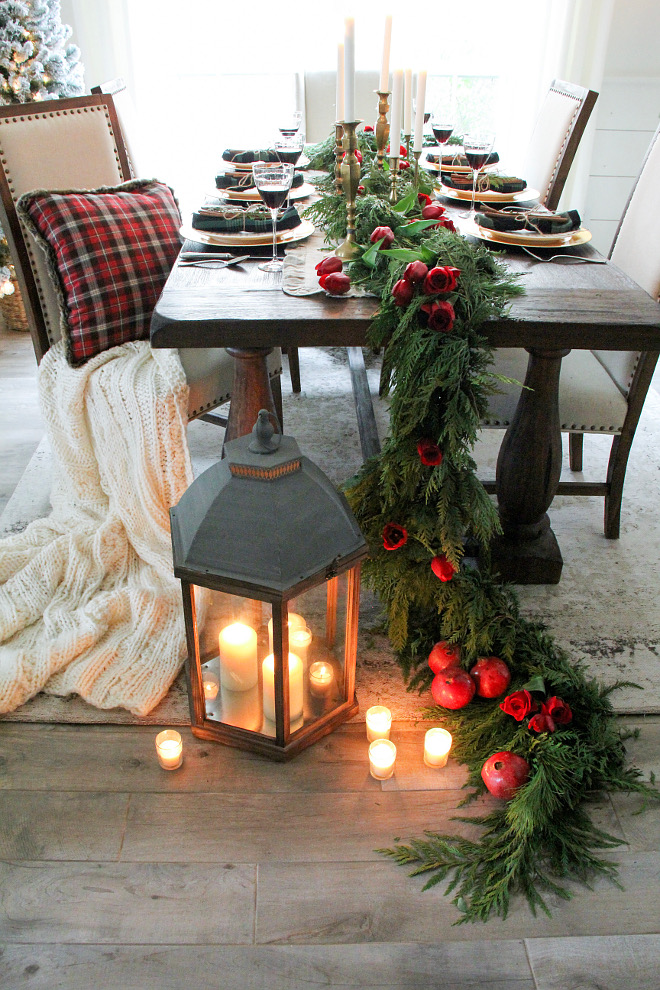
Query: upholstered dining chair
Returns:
{"type": "Point", "coordinates": [557, 132]}
{"type": "Point", "coordinates": [78, 144]}
{"type": "Point", "coordinates": [603, 391]}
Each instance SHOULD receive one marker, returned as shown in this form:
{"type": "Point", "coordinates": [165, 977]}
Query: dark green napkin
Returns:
{"type": "Point", "coordinates": [539, 223]}
{"type": "Point", "coordinates": [243, 157]}
{"type": "Point", "coordinates": [240, 181]}
{"type": "Point", "coordinates": [494, 183]}
{"type": "Point", "coordinates": [492, 159]}
{"type": "Point", "coordinates": [253, 220]}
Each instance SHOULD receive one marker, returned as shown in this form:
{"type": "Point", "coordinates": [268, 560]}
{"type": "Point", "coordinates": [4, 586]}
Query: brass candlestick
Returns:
{"type": "Point", "coordinates": [339, 153]}
{"type": "Point", "coordinates": [350, 180]}
{"type": "Point", "coordinates": [394, 172]}
{"type": "Point", "coordinates": [406, 138]}
{"type": "Point", "coordinates": [417, 155]}
{"type": "Point", "coordinates": [382, 126]}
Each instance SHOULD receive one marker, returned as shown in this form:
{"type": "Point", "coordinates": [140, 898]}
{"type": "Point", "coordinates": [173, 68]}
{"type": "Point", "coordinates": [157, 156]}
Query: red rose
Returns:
{"type": "Point", "coordinates": [429, 452]}
{"type": "Point", "coordinates": [328, 265]}
{"type": "Point", "coordinates": [519, 704]}
{"type": "Point", "coordinates": [443, 568]}
{"type": "Point", "coordinates": [541, 723]}
{"type": "Point", "coordinates": [394, 536]}
{"type": "Point", "coordinates": [441, 280]}
{"type": "Point", "coordinates": [403, 164]}
{"type": "Point", "coordinates": [424, 199]}
{"type": "Point", "coordinates": [361, 190]}
{"type": "Point", "coordinates": [336, 283]}
{"type": "Point", "coordinates": [416, 271]}
{"type": "Point", "coordinates": [557, 710]}
{"type": "Point", "coordinates": [402, 152]}
{"type": "Point", "coordinates": [368, 129]}
{"type": "Point", "coordinates": [448, 224]}
{"type": "Point", "coordinates": [433, 211]}
{"type": "Point", "coordinates": [402, 292]}
{"type": "Point", "coordinates": [358, 155]}
{"type": "Point", "coordinates": [441, 315]}
{"type": "Point", "coordinates": [383, 234]}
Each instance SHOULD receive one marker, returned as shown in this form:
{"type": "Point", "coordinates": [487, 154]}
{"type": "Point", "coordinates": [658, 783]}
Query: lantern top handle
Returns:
{"type": "Point", "coordinates": [264, 438]}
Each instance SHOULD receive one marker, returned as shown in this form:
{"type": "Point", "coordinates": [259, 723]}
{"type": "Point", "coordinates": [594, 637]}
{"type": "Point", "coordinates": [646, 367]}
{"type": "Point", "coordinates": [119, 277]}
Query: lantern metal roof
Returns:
{"type": "Point", "coordinates": [264, 519]}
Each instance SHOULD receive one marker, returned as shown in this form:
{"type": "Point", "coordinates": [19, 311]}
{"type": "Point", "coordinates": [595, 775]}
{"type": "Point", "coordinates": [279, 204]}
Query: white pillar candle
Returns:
{"type": "Point", "coordinates": [379, 722]}
{"type": "Point", "coordinates": [321, 678]}
{"type": "Point", "coordinates": [395, 125]}
{"type": "Point", "coordinates": [238, 657]}
{"type": "Point", "coordinates": [419, 111]}
{"type": "Point", "coordinates": [407, 101]}
{"type": "Point", "coordinates": [349, 68]}
{"type": "Point", "coordinates": [169, 749]}
{"type": "Point", "coordinates": [382, 755]}
{"type": "Point", "coordinates": [211, 685]}
{"type": "Point", "coordinates": [295, 621]}
{"type": "Point", "coordinates": [385, 69]}
{"type": "Point", "coordinates": [300, 641]}
{"type": "Point", "coordinates": [437, 743]}
{"type": "Point", "coordinates": [339, 104]}
{"type": "Point", "coordinates": [295, 687]}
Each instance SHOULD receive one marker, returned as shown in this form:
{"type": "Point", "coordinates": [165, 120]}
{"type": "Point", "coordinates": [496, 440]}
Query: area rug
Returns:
{"type": "Point", "coordinates": [605, 611]}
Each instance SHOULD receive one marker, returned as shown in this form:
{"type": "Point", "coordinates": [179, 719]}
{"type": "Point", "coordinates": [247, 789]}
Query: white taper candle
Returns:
{"type": "Point", "coordinates": [385, 69]}
{"type": "Point", "coordinates": [339, 107]}
{"type": "Point", "coordinates": [349, 69]}
{"type": "Point", "coordinates": [407, 101]}
{"type": "Point", "coordinates": [395, 123]}
{"type": "Point", "coordinates": [419, 111]}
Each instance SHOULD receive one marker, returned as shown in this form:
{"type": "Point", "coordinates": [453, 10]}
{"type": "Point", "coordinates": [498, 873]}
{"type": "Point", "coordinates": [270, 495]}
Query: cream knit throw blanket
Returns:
{"type": "Point", "coordinates": [88, 599]}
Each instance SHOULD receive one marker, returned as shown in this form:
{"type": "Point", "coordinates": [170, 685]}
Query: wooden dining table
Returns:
{"type": "Point", "coordinates": [565, 306]}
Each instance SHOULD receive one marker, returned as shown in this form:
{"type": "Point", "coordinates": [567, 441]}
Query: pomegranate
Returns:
{"type": "Point", "coordinates": [492, 677]}
{"type": "Point", "coordinates": [443, 655]}
{"type": "Point", "coordinates": [503, 773]}
{"type": "Point", "coordinates": [452, 688]}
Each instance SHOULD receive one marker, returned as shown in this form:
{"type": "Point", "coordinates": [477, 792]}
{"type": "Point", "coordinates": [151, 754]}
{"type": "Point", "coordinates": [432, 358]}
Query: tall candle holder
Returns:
{"type": "Point", "coordinates": [394, 174]}
{"type": "Point", "coordinates": [350, 180]}
{"type": "Point", "coordinates": [339, 154]}
{"type": "Point", "coordinates": [382, 126]}
{"type": "Point", "coordinates": [406, 138]}
{"type": "Point", "coordinates": [417, 155]}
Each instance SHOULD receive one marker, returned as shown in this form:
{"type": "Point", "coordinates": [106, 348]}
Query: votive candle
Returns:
{"type": "Point", "coordinates": [349, 68]}
{"type": "Point", "coordinates": [437, 743]}
{"type": "Point", "coordinates": [379, 722]}
{"type": "Point", "coordinates": [385, 68]}
{"type": "Point", "coordinates": [321, 678]}
{"type": "Point", "coordinates": [238, 657]}
{"type": "Point", "coordinates": [295, 687]}
{"type": "Point", "coordinates": [419, 111]}
{"type": "Point", "coordinates": [169, 749]}
{"type": "Point", "coordinates": [294, 621]}
{"type": "Point", "coordinates": [211, 685]}
{"type": "Point", "coordinates": [300, 640]}
{"type": "Point", "coordinates": [382, 756]}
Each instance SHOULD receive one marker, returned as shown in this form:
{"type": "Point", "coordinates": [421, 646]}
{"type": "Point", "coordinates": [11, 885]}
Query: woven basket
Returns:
{"type": "Point", "coordinates": [13, 310]}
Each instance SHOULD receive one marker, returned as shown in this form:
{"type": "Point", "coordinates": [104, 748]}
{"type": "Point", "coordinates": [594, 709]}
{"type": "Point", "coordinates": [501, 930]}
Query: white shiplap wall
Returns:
{"type": "Point", "coordinates": [628, 111]}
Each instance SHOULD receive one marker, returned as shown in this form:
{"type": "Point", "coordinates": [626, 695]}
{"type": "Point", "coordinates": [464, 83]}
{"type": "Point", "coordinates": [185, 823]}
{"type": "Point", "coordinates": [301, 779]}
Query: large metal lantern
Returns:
{"type": "Point", "coordinates": [268, 553]}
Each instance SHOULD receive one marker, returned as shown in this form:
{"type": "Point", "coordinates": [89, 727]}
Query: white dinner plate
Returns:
{"type": "Point", "coordinates": [252, 196]}
{"type": "Point", "coordinates": [299, 233]}
{"type": "Point", "coordinates": [525, 238]}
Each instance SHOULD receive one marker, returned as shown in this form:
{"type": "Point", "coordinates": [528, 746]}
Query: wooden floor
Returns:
{"type": "Point", "coordinates": [233, 872]}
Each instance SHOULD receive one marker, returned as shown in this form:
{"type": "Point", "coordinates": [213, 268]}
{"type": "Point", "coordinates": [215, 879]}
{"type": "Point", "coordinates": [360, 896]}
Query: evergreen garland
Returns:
{"type": "Point", "coordinates": [414, 512]}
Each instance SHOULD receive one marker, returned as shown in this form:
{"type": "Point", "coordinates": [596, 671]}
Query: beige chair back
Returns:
{"type": "Point", "coordinates": [320, 98]}
{"type": "Point", "coordinates": [90, 153]}
{"type": "Point", "coordinates": [636, 251]}
{"type": "Point", "coordinates": [559, 126]}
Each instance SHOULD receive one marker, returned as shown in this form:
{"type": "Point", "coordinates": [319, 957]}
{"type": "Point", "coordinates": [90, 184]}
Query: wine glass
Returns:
{"type": "Point", "coordinates": [291, 125]}
{"type": "Point", "coordinates": [477, 147]}
{"type": "Point", "coordinates": [442, 131]}
{"type": "Point", "coordinates": [289, 150]}
{"type": "Point", "coordinates": [273, 181]}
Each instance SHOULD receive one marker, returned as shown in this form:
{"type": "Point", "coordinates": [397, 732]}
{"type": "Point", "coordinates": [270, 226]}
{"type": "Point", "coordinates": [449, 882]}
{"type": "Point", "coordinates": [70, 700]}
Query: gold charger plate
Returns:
{"type": "Point", "coordinates": [458, 169]}
{"type": "Point", "coordinates": [305, 229]}
{"type": "Point", "coordinates": [247, 166]}
{"type": "Point", "coordinates": [521, 238]}
{"type": "Point", "coordinates": [489, 196]}
{"type": "Point", "coordinates": [252, 196]}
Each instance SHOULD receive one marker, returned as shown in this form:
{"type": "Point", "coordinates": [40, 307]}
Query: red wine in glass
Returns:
{"type": "Point", "coordinates": [442, 132]}
{"type": "Point", "coordinates": [288, 132]}
{"type": "Point", "coordinates": [273, 181]}
{"type": "Point", "coordinates": [288, 154]}
{"type": "Point", "coordinates": [274, 196]}
{"type": "Point", "coordinates": [477, 159]}
{"type": "Point", "coordinates": [477, 148]}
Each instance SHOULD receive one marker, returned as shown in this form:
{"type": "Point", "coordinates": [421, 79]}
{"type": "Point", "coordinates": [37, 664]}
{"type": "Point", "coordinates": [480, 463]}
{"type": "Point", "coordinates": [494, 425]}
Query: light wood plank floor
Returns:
{"type": "Point", "coordinates": [233, 872]}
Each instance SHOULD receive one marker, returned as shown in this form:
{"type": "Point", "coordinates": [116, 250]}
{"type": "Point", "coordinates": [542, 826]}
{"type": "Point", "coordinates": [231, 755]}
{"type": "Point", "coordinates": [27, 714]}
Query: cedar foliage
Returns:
{"type": "Point", "coordinates": [438, 385]}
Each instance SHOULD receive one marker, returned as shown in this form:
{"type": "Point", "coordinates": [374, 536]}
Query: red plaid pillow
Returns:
{"type": "Point", "coordinates": [110, 251]}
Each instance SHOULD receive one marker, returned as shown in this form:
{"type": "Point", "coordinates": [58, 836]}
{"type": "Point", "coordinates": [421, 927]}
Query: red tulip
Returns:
{"type": "Point", "coordinates": [443, 568]}
{"type": "Point", "coordinates": [433, 211]}
{"type": "Point", "coordinates": [328, 265]}
{"type": "Point", "coordinates": [394, 536]}
{"type": "Point", "coordinates": [415, 272]}
{"type": "Point", "coordinates": [402, 292]}
{"type": "Point", "coordinates": [368, 129]}
{"type": "Point", "coordinates": [385, 234]}
{"type": "Point", "coordinates": [429, 452]}
{"type": "Point", "coordinates": [336, 283]}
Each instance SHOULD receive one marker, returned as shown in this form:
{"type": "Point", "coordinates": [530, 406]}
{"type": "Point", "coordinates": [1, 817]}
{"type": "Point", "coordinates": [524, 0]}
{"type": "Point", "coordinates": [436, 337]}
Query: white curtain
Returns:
{"type": "Point", "coordinates": [221, 74]}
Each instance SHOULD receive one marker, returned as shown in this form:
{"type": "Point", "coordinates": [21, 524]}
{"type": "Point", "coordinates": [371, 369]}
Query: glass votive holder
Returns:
{"type": "Point", "coordinates": [169, 748]}
{"type": "Point", "coordinates": [379, 722]}
{"type": "Point", "coordinates": [437, 743]}
{"type": "Point", "coordinates": [321, 678]}
{"type": "Point", "coordinates": [382, 756]}
{"type": "Point", "coordinates": [300, 640]}
{"type": "Point", "coordinates": [211, 683]}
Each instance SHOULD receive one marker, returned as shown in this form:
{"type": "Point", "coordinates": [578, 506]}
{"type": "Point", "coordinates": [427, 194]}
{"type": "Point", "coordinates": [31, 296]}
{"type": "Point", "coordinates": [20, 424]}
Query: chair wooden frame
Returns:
{"type": "Point", "coordinates": [584, 100]}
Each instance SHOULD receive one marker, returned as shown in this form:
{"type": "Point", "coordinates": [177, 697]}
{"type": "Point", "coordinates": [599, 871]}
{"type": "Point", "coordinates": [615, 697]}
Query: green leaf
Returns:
{"type": "Point", "coordinates": [416, 227]}
{"type": "Point", "coordinates": [534, 684]}
{"type": "Point", "coordinates": [407, 202]}
{"type": "Point", "coordinates": [427, 255]}
{"type": "Point", "coordinates": [402, 254]}
{"type": "Point", "coordinates": [371, 254]}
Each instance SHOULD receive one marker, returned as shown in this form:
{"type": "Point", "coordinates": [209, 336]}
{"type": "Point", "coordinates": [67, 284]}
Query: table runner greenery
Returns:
{"type": "Point", "coordinates": [424, 512]}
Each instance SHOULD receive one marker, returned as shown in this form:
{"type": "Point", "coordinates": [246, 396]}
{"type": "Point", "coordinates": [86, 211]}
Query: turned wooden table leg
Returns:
{"type": "Point", "coordinates": [528, 470]}
{"type": "Point", "coordinates": [251, 390]}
